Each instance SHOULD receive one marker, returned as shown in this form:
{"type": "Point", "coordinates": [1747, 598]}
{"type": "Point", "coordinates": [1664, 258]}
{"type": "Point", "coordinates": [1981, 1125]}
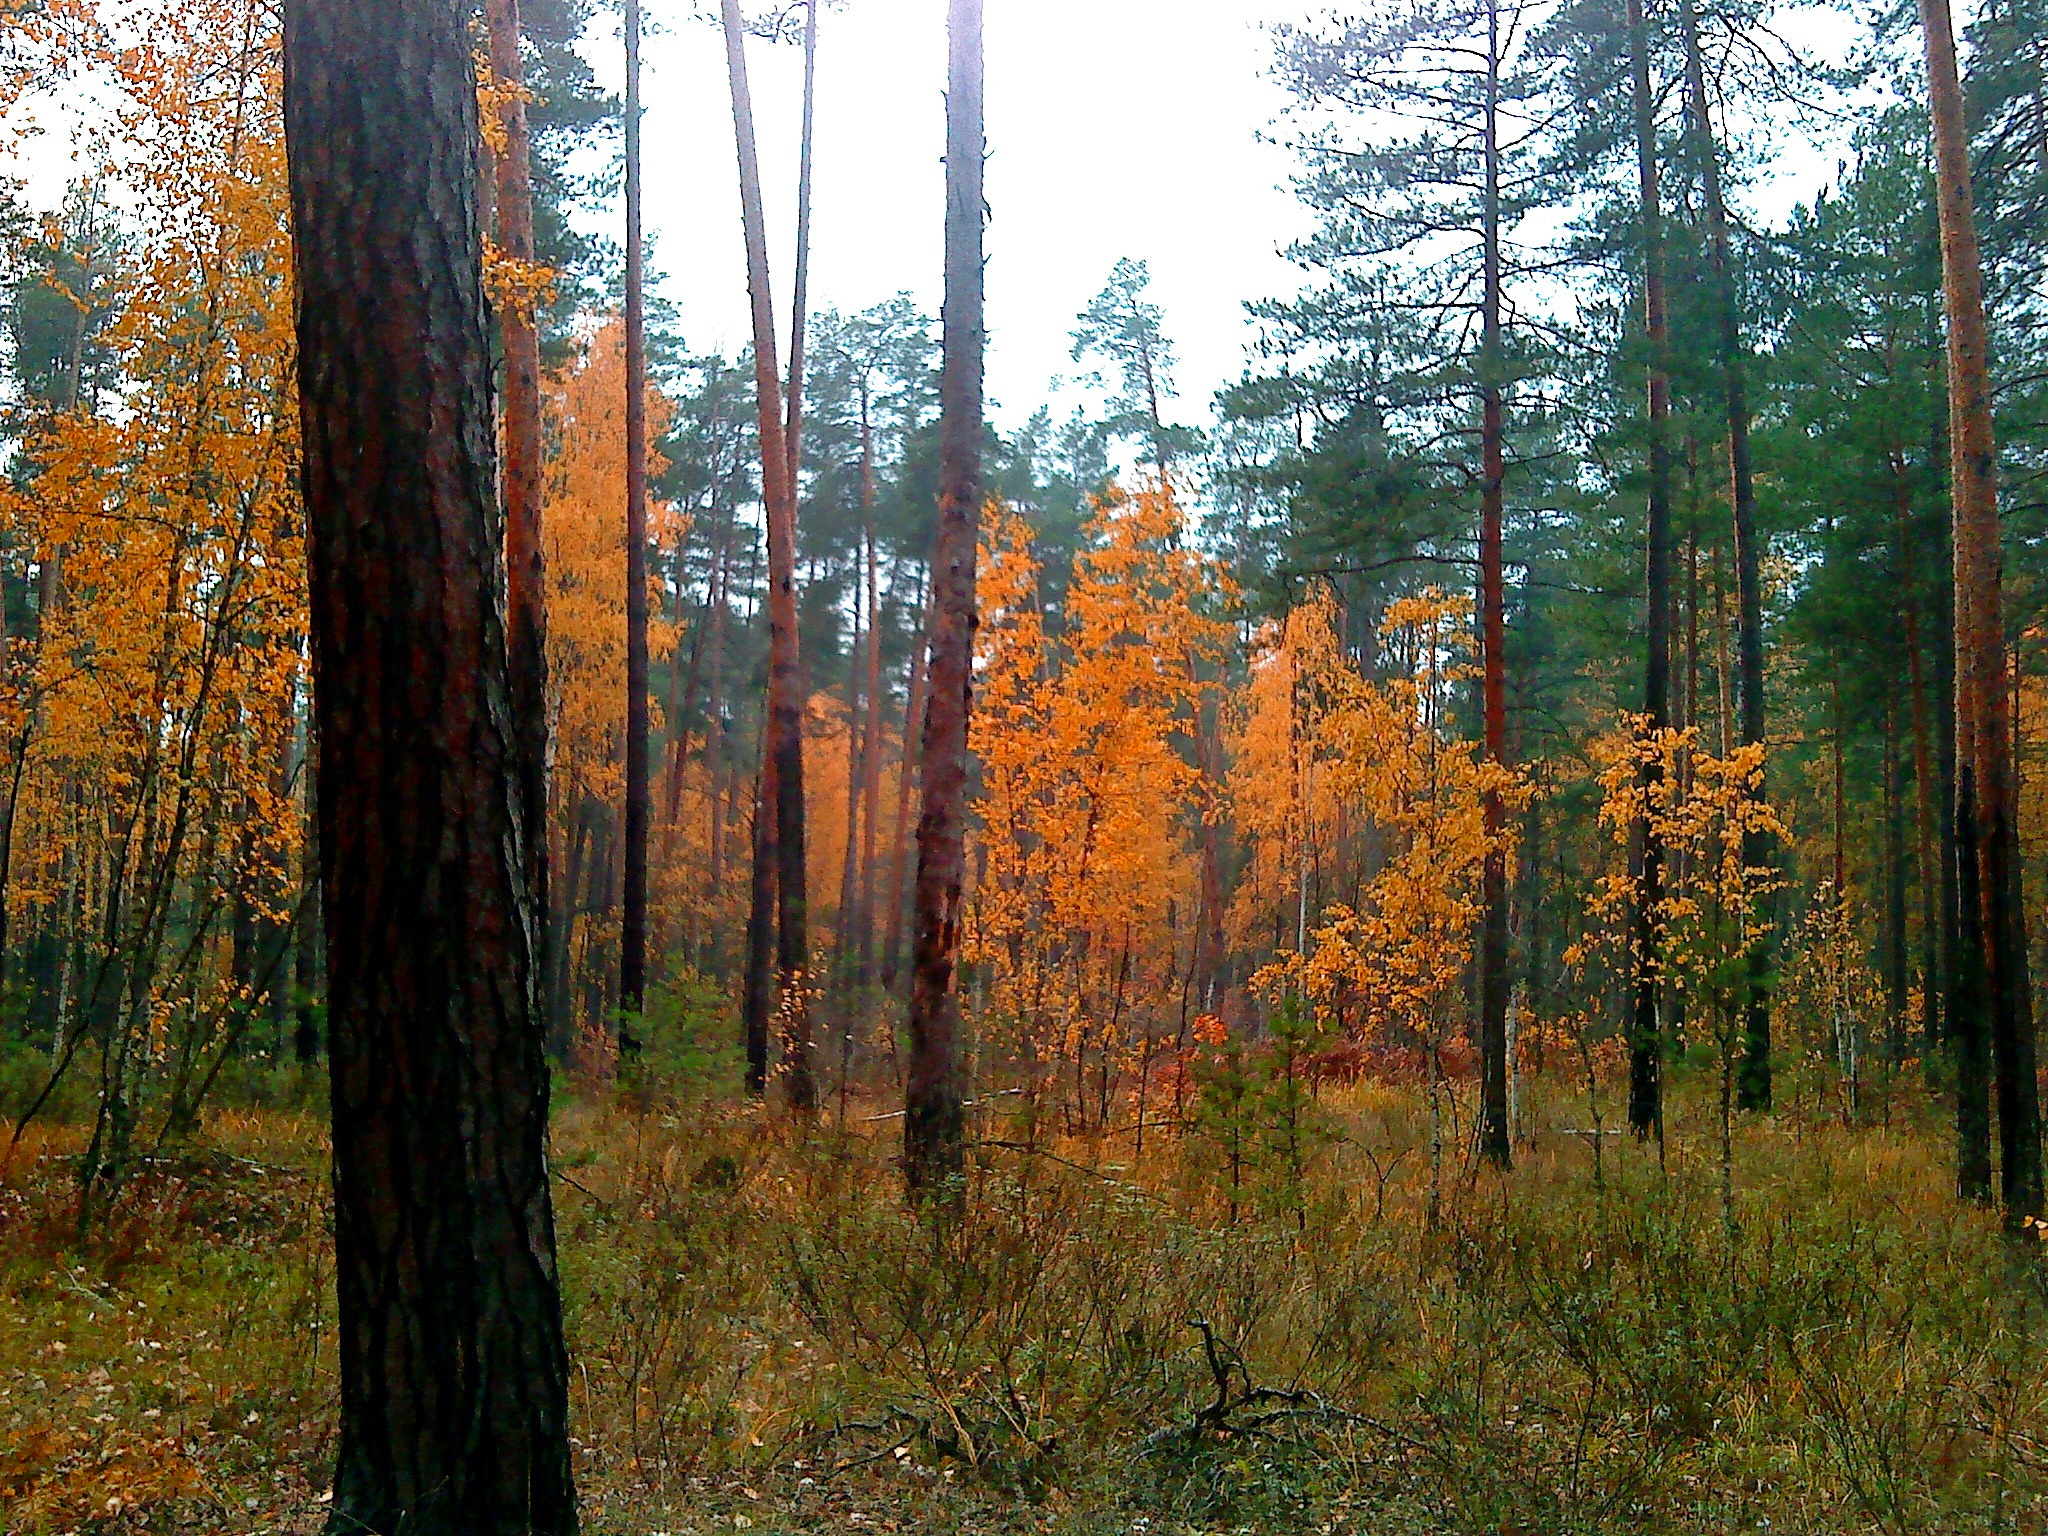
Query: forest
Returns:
{"type": "Point", "coordinates": [606, 934]}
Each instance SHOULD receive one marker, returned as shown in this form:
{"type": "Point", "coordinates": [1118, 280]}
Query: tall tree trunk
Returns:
{"type": "Point", "coordinates": [453, 1370]}
{"type": "Point", "coordinates": [633, 895]}
{"type": "Point", "coordinates": [523, 469]}
{"type": "Point", "coordinates": [707, 648]}
{"type": "Point", "coordinates": [1924, 785]}
{"type": "Point", "coordinates": [1646, 1048]}
{"type": "Point", "coordinates": [906, 779]}
{"type": "Point", "coordinates": [1753, 1079]}
{"type": "Point", "coordinates": [849, 863]}
{"type": "Point", "coordinates": [871, 748]}
{"type": "Point", "coordinates": [563, 908]}
{"type": "Point", "coordinates": [785, 682]}
{"type": "Point", "coordinates": [1493, 942]}
{"type": "Point", "coordinates": [799, 308]}
{"type": "Point", "coordinates": [1993, 956]}
{"type": "Point", "coordinates": [1896, 966]}
{"type": "Point", "coordinates": [934, 1130]}
{"type": "Point", "coordinates": [757, 985]}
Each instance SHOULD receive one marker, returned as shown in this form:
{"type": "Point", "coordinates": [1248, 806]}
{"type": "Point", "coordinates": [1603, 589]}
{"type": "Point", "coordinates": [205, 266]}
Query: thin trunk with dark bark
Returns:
{"type": "Point", "coordinates": [871, 748]}
{"type": "Point", "coordinates": [1646, 1047]}
{"type": "Point", "coordinates": [934, 1125]}
{"type": "Point", "coordinates": [1924, 785]}
{"type": "Point", "coordinates": [906, 781]}
{"type": "Point", "coordinates": [1493, 941]}
{"type": "Point", "coordinates": [633, 895]}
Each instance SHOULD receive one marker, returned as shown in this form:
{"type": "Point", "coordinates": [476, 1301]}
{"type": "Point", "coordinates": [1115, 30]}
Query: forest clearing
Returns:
{"type": "Point", "coordinates": [766, 1339]}
{"type": "Point", "coordinates": [633, 902]}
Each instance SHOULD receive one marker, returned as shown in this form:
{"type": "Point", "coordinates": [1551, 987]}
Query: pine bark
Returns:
{"type": "Point", "coordinates": [1994, 1007]}
{"type": "Point", "coordinates": [907, 779]}
{"type": "Point", "coordinates": [639, 790]}
{"type": "Point", "coordinates": [1646, 1045]}
{"type": "Point", "coordinates": [1493, 942]}
{"type": "Point", "coordinates": [871, 747]}
{"type": "Point", "coordinates": [1924, 784]}
{"type": "Point", "coordinates": [453, 1377]}
{"type": "Point", "coordinates": [782, 834]}
{"type": "Point", "coordinates": [934, 1128]}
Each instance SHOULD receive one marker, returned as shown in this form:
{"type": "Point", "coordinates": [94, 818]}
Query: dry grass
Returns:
{"type": "Point", "coordinates": [764, 1339]}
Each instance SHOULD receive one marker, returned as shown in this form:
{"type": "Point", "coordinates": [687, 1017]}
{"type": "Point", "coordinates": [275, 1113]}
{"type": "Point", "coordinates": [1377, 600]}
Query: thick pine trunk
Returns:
{"type": "Point", "coordinates": [453, 1377]}
{"type": "Point", "coordinates": [1991, 964]}
{"type": "Point", "coordinates": [1646, 1046]}
{"type": "Point", "coordinates": [782, 833]}
{"type": "Point", "coordinates": [934, 1131]}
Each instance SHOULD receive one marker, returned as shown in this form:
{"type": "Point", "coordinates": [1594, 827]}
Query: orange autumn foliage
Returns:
{"type": "Point", "coordinates": [1085, 880]}
{"type": "Point", "coordinates": [151, 706]}
{"type": "Point", "coordinates": [1325, 754]}
{"type": "Point", "coordinates": [584, 523]}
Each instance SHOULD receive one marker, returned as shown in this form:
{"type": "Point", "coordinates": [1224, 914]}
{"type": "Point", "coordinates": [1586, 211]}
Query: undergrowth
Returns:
{"type": "Point", "coordinates": [765, 1339]}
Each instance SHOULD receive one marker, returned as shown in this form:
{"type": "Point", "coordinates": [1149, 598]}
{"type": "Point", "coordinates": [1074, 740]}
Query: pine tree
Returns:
{"type": "Point", "coordinates": [934, 1126]}
{"type": "Point", "coordinates": [454, 1379]}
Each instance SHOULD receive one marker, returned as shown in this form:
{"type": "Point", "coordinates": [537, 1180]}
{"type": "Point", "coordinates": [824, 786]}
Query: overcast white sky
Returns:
{"type": "Point", "coordinates": [1116, 127]}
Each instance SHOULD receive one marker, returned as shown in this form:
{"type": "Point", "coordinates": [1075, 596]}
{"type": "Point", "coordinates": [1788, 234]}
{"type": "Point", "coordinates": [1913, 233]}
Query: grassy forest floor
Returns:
{"type": "Point", "coordinates": [763, 1340]}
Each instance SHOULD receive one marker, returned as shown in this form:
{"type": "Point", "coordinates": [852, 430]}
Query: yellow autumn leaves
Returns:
{"type": "Point", "coordinates": [1365, 817]}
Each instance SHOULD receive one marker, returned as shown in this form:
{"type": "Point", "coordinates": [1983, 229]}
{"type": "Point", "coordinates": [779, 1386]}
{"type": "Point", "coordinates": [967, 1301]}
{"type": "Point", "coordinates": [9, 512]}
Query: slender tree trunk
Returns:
{"type": "Point", "coordinates": [799, 309]}
{"type": "Point", "coordinates": [757, 994]}
{"type": "Point", "coordinates": [1924, 785]}
{"type": "Point", "coordinates": [906, 780]}
{"type": "Point", "coordinates": [871, 750]}
{"type": "Point", "coordinates": [1839, 800]}
{"type": "Point", "coordinates": [707, 648]}
{"type": "Point", "coordinates": [1994, 923]}
{"type": "Point", "coordinates": [785, 682]}
{"type": "Point", "coordinates": [1211, 977]}
{"type": "Point", "coordinates": [849, 863]}
{"type": "Point", "coordinates": [562, 920]}
{"type": "Point", "coordinates": [1896, 967]}
{"type": "Point", "coordinates": [1724, 703]}
{"type": "Point", "coordinates": [934, 1130]}
{"type": "Point", "coordinates": [453, 1370]}
{"type": "Point", "coordinates": [633, 895]}
{"type": "Point", "coordinates": [1753, 1080]}
{"type": "Point", "coordinates": [1646, 1047]}
{"type": "Point", "coordinates": [1493, 943]}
